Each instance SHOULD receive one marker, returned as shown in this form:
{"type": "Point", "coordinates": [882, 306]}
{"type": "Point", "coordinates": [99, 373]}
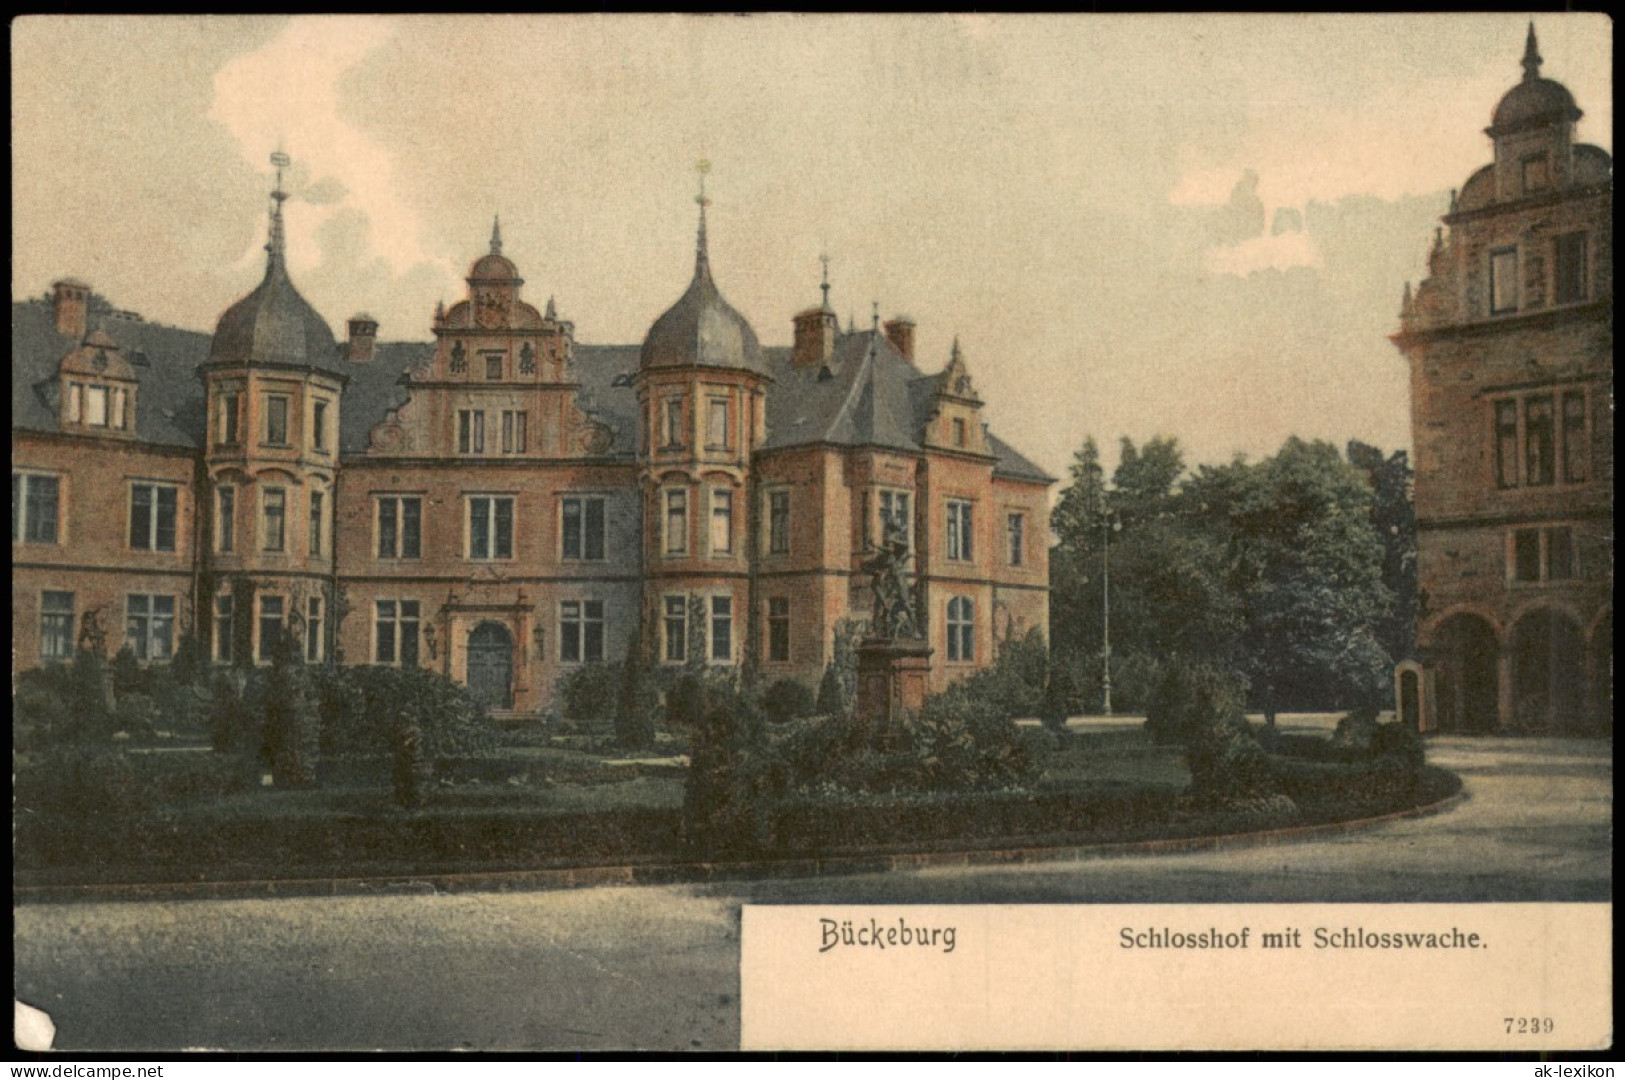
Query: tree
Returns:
{"type": "Point", "coordinates": [635, 700]}
{"type": "Point", "coordinates": [1075, 587]}
{"type": "Point", "coordinates": [1393, 515]}
{"type": "Point", "coordinates": [1305, 565]}
{"type": "Point", "coordinates": [292, 719]}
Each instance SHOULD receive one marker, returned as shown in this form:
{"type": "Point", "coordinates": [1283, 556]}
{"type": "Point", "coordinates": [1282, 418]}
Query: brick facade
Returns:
{"type": "Point", "coordinates": [505, 505]}
{"type": "Point", "coordinates": [1510, 345]}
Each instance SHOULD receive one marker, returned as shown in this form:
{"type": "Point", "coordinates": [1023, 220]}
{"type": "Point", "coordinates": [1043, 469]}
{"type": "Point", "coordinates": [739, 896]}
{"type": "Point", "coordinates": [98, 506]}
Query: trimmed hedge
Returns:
{"type": "Point", "coordinates": [225, 844]}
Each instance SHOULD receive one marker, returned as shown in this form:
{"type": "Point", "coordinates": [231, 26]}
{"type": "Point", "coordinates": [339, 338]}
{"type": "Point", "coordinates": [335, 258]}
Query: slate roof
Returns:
{"type": "Point", "coordinates": [870, 397]}
{"type": "Point", "coordinates": [169, 408]}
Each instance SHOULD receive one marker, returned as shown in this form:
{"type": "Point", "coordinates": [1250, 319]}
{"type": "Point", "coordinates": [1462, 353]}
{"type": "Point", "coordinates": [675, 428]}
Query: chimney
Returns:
{"type": "Point", "coordinates": [363, 336]}
{"type": "Point", "coordinates": [70, 301]}
{"type": "Point", "coordinates": [900, 332]}
{"type": "Point", "coordinates": [815, 338]}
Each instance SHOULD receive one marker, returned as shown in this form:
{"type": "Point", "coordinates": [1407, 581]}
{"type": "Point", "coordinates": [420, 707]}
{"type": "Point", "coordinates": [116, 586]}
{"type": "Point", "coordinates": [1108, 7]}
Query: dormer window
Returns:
{"type": "Point", "coordinates": [96, 406]}
{"type": "Point", "coordinates": [1535, 174]}
{"type": "Point", "coordinates": [959, 432]}
{"type": "Point", "coordinates": [73, 404]}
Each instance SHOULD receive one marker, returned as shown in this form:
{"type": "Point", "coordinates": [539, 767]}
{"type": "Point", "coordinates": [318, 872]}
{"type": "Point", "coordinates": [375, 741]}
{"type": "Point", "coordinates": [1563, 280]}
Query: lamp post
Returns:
{"type": "Point", "coordinates": [1109, 524]}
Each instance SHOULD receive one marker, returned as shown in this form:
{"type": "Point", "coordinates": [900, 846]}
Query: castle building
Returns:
{"type": "Point", "coordinates": [504, 504]}
{"type": "Point", "coordinates": [1510, 346]}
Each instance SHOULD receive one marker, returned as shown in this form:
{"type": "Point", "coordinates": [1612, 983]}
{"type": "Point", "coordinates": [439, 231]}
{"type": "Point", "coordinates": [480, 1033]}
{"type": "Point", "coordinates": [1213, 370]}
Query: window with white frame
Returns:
{"type": "Point", "coordinates": [318, 426]}
{"type": "Point", "coordinates": [400, 527]}
{"type": "Point", "coordinates": [152, 517]}
{"type": "Point", "coordinates": [225, 606]}
{"type": "Point", "coordinates": [274, 519]}
{"type": "Point", "coordinates": [961, 625]}
{"type": "Point", "coordinates": [958, 535]}
{"type": "Point", "coordinates": [676, 629]}
{"type": "Point", "coordinates": [276, 420]}
{"type": "Point", "coordinates": [722, 521]}
{"type": "Point", "coordinates": [35, 504]}
{"type": "Point", "coordinates": [722, 628]}
{"type": "Point", "coordinates": [149, 626]}
{"type": "Point", "coordinates": [490, 527]}
{"type": "Point", "coordinates": [676, 521]}
{"type": "Point", "coordinates": [581, 631]}
{"type": "Point", "coordinates": [56, 625]}
{"type": "Point", "coordinates": [273, 616]}
{"type": "Point", "coordinates": [1015, 530]}
{"type": "Point", "coordinates": [470, 431]}
{"type": "Point", "coordinates": [96, 403]}
{"type": "Point", "coordinates": [716, 424]}
{"type": "Point", "coordinates": [515, 431]}
{"type": "Point", "coordinates": [673, 423]}
{"type": "Point", "coordinates": [73, 407]}
{"type": "Point", "coordinates": [582, 527]}
{"type": "Point", "coordinates": [395, 632]}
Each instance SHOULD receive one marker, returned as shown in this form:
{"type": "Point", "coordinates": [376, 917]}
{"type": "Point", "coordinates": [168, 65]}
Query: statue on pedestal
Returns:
{"type": "Point", "coordinates": [893, 609]}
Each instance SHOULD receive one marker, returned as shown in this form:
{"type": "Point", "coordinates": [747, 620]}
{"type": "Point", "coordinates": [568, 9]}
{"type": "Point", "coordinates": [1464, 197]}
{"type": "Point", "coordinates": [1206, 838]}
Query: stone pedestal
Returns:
{"type": "Point", "coordinates": [891, 682]}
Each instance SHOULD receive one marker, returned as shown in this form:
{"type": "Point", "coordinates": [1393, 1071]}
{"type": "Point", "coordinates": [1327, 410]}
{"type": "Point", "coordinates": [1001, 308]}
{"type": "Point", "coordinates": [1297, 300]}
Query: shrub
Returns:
{"type": "Point", "coordinates": [635, 700]}
{"type": "Point", "coordinates": [413, 770]}
{"type": "Point", "coordinates": [730, 791]}
{"type": "Point", "coordinates": [90, 707]}
{"type": "Point", "coordinates": [962, 740]}
{"type": "Point", "coordinates": [1022, 671]}
{"type": "Point", "coordinates": [1399, 745]}
{"type": "Point", "coordinates": [832, 700]}
{"type": "Point", "coordinates": [788, 699]}
{"type": "Point", "coordinates": [41, 706]}
{"type": "Point", "coordinates": [361, 710]}
{"type": "Point", "coordinates": [1228, 766]}
{"type": "Point", "coordinates": [135, 715]}
{"type": "Point", "coordinates": [128, 677]}
{"type": "Point", "coordinates": [292, 718]}
{"type": "Point", "coordinates": [1356, 729]}
{"type": "Point", "coordinates": [1060, 698]}
{"type": "Point", "coordinates": [588, 694]}
{"type": "Point", "coordinates": [95, 780]}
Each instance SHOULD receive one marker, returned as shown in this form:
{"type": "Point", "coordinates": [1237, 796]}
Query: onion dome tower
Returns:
{"type": "Point", "coordinates": [273, 382]}
{"type": "Point", "coordinates": [701, 388]}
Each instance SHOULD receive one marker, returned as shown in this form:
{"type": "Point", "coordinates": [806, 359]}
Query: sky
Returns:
{"type": "Point", "coordinates": [1135, 225]}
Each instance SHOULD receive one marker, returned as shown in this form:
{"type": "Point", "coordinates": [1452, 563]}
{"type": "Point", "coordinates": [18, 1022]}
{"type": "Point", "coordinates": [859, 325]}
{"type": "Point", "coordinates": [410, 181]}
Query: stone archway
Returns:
{"type": "Point", "coordinates": [1466, 692]}
{"type": "Point", "coordinates": [490, 665]}
{"type": "Point", "coordinates": [1548, 673]}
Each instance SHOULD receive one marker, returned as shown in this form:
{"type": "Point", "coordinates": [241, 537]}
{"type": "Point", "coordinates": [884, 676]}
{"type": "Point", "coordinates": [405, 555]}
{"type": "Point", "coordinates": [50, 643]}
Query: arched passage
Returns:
{"type": "Point", "coordinates": [1548, 673]}
{"type": "Point", "coordinates": [490, 665]}
{"type": "Point", "coordinates": [1464, 657]}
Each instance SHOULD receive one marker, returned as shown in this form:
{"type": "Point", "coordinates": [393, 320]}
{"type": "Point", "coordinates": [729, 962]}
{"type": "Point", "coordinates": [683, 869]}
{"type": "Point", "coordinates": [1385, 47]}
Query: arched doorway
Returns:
{"type": "Point", "coordinates": [1464, 656]}
{"type": "Point", "coordinates": [490, 665]}
{"type": "Point", "coordinates": [1548, 673]}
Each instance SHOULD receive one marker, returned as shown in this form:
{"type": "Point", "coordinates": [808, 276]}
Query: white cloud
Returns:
{"type": "Point", "coordinates": [287, 94]}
